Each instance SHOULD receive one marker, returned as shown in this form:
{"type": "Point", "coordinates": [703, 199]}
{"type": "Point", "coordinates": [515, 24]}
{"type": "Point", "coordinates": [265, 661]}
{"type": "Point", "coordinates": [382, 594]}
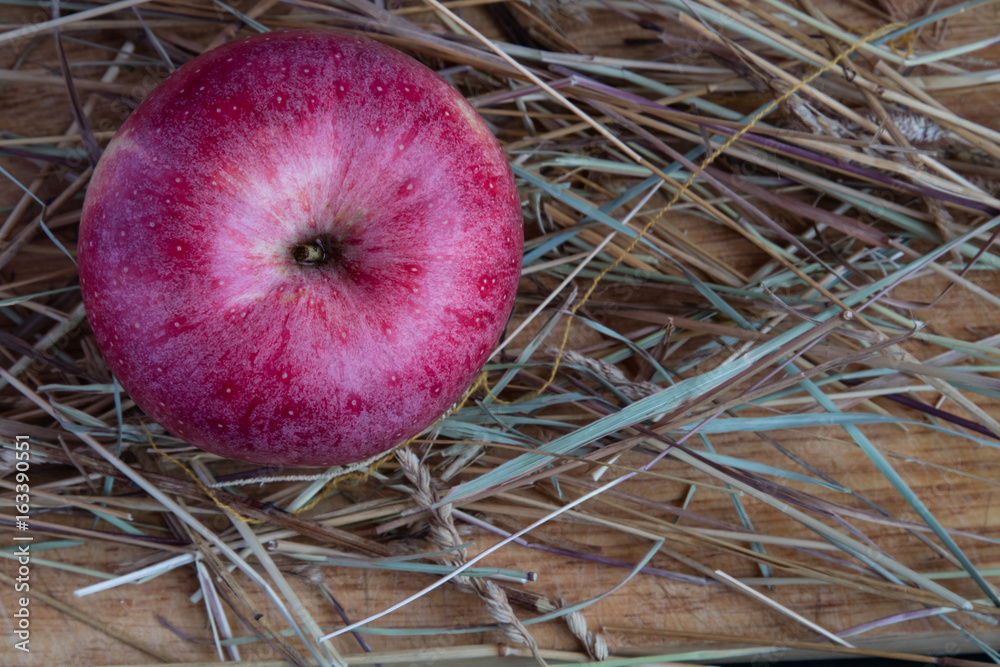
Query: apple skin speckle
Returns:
{"type": "Point", "coordinates": [272, 142]}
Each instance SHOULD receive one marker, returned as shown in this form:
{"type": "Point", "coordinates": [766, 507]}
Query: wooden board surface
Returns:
{"type": "Point", "coordinates": [957, 479]}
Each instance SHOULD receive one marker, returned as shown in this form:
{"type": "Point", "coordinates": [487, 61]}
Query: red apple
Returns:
{"type": "Point", "coordinates": [300, 249]}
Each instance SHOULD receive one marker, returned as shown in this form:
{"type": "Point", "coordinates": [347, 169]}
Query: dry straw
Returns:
{"type": "Point", "coordinates": [745, 408]}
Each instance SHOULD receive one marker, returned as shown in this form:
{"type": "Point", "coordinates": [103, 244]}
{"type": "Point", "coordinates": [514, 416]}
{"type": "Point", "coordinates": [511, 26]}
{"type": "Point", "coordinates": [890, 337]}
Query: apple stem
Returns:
{"type": "Point", "coordinates": [309, 253]}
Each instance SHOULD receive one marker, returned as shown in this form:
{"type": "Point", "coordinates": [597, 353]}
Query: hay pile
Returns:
{"type": "Point", "coordinates": [746, 406]}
